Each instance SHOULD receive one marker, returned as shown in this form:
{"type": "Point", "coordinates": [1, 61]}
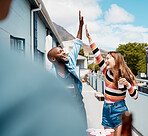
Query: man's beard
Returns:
{"type": "Point", "coordinates": [62, 61]}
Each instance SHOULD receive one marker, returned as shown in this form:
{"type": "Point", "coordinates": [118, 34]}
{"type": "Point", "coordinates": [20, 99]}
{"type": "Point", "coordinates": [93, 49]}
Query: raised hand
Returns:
{"type": "Point", "coordinates": [81, 21]}
{"type": "Point", "coordinates": [87, 34]}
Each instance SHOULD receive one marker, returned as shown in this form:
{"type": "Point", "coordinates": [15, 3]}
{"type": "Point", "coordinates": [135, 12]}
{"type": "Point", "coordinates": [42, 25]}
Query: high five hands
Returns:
{"type": "Point", "coordinates": [81, 23]}
{"type": "Point", "coordinates": [87, 34]}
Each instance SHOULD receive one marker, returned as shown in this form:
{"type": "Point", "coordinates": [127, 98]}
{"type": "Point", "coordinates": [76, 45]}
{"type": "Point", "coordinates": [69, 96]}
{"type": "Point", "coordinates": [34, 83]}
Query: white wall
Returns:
{"type": "Point", "coordinates": [41, 35]}
{"type": "Point", "coordinates": [48, 46]}
{"type": "Point", "coordinates": [140, 112]}
{"type": "Point", "coordinates": [17, 24]}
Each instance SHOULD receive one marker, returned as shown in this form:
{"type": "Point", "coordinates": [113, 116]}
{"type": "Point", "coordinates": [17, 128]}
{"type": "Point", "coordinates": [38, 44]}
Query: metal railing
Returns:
{"type": "Point", "coordinates": [137, 107]}
{"type": "Point", "coordinates": [142, 86]}
{"type": "Point", "coordinates": [97, 82]}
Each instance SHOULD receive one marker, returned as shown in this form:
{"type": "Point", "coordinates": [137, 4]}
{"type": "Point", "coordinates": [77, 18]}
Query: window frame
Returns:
{"type": "Point", "coordinates": [16, 47]}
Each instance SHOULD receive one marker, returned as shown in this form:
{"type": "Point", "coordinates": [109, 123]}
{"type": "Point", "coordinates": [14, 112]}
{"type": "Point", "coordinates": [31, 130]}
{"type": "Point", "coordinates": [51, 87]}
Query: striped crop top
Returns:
{"type": "Point", "coordinates": [111, 93]}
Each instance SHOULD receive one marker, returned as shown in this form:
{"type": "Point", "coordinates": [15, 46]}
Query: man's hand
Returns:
{"type": "Point", "coordinates": [81, 23]}
{"type": "Point", "coordinates": [87, 34]}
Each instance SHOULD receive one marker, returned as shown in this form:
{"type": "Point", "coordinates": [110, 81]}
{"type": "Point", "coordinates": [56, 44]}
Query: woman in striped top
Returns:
{"type": "Point", "coordinates": [114, 104]}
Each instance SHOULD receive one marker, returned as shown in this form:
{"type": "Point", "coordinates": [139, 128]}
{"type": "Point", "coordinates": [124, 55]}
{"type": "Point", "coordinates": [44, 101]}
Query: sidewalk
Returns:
{"type": "Point", "coordinates": [93, 107]}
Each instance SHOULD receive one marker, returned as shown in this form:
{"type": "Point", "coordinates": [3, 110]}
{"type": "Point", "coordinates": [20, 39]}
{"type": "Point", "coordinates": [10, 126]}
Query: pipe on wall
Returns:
{"type": "Point", "coordinates": [32, 34]}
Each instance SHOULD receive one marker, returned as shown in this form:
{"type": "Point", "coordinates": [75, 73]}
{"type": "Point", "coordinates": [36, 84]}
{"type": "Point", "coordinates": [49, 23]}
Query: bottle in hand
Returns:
{"type": "Point", "coordinates": [121, 87]}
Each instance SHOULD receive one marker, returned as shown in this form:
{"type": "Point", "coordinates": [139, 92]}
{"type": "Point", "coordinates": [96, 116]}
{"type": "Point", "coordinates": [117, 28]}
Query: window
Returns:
{"type": "Point", "coordinates": [17, 44]}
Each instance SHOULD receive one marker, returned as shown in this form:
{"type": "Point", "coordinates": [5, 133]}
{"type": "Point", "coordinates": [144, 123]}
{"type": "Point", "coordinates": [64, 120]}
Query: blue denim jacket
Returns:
{"type": "Point", "coordinates": [72, 57]}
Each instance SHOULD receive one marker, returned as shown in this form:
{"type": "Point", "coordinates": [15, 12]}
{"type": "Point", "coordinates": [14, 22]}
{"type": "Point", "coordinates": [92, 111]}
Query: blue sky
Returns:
{"type": "Point", "coordinates": [139, 8]}
{"type": "Point", "coordinates": [110, 22]}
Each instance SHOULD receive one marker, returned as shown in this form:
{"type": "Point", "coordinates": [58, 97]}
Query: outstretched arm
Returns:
{"type": "Point", "coordinates": [88, 35]}
{"type": "Point", "coordinates": [81, 23]}
{"type": "Point", "coordinates": [77, 45]}
{"type": "Point", "coordinates": [96, 52]}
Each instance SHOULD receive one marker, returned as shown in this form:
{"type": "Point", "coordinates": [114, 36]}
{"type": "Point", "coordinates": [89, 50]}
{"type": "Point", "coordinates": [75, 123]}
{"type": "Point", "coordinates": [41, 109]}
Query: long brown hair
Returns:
{"type": "Point", "coordinates": [125, 71]}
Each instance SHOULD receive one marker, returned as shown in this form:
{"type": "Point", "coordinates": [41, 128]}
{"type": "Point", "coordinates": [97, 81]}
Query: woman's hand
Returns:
{"type": "Point", "coordinates": [123, 81]}
{"type": "Point", "coordinates": [87, 34]}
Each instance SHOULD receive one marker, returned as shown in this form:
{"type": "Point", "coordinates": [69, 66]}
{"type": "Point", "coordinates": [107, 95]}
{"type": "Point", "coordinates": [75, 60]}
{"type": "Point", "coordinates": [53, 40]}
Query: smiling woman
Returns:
{"type": "Point", "coordinates": [113, 68]}
{"type": "Point", "coordinates": [110, 62]}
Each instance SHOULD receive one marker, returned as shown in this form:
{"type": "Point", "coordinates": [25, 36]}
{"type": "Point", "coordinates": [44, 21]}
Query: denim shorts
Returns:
{"type": "Point", "coordinates": [112, 112]}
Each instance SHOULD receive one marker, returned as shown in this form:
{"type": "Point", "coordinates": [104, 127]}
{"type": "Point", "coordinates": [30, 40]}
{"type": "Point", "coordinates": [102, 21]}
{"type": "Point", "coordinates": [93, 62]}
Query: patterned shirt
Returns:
{"type": "Point", "coordinates": [111, 93]}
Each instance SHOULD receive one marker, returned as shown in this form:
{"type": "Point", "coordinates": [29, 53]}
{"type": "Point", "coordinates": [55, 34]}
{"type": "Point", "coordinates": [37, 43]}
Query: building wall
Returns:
{"type": "Point", "coordinates": [140, 111]}
{"type": "Point", "coordinates": [80, 63]}
{"type": "Point", "coordinates": [41, 35]}
{"type": "Point", "coordinates": [17, 24]}
{"type": "Point", "coordinates": [54, 40]}
{"type": "Point", "coordinates": [54, 44]}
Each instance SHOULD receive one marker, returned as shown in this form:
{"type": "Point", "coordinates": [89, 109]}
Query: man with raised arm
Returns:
{"type": "Point", "coordinates": [29, 105]}
{"type": "Point", "coordinates": [65, 67]}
